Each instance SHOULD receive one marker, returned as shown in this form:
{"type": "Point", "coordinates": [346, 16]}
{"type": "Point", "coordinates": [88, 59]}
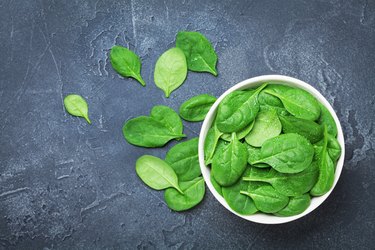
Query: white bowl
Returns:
{"type": "Point", "coordinates": [251, 83]}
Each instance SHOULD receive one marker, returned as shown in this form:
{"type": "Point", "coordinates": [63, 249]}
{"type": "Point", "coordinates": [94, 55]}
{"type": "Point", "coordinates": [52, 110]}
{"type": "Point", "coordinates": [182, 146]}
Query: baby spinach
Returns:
{"type": "Point", "coordinates": [170, 70]}
{"type": "Point", "coordinates": [333, 147]}
{"type": "Point", "coordinates": [155, 130]}
{"type": "Point", "coordinates": [287, 153]}
{"type": "Point", "coordinates": [193, 193]}
{"type": "Point", "coordinates": [200, 54]}
{"type": "Point", "coordinates": [183, 158]}
{"type": "Point", "coordinates": [210, 144]}
{"type": "Point", "coordinates": [156, 173]}
{"type": "Point", "coordinates": [216, 185]}
{"type": "Point", "coordinates": [126, 63]}
{"type": "Point", "coordinates": [269, 102]}
{"type": "Point", "coordinates": [229, 162]}
{"type": "Point", "coordinates": [327, 119]}
{"type": "Point", "coordinates": [299, 103]}
{"type": "Point", "coordinates": [77, 106]}
{"type": "Point", "coordinates": [266, 198]}
{"type": "Point", "coordinates": [286, 184]}
{"type": "Point", "coordinates": [326, 169]}
{"type": "Point", "coordinates": [240, 134]}
{"type": "Point", "coordinates": [240, 203]}
{"type": "Point", "coordinates": [309, 129]}
{"type": "Point", "coordinates": [267, 125]}
{"type": "Point", "coordinates": [296, 205]}
{"type": "Point", "coordinates": [195, 109]}
{"type": "Point", "coordinates": [237, 110]}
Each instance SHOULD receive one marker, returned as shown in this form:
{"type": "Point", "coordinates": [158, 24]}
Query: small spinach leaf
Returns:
{"type": "Point", "coordinates": [299, 103]}
{"type": "Point", "coordinates": [309, 129]}
{"type": "Point", "coordinates": [77, 106]}
{"type": "Point", "coordinates": [156, 173]}
{"type": "Point", "coordinates": [266, 198]}
{"type": "Point", "coordinates": [237, 110]}
{"type": "Point", "coordinates": [240, 203]}
{"type": "Point", "coordinates": [295, 206]}
{"type": "Point", "coordinates": [193, 193]}
{"type": "Point", "coordinates": [200, 54]}
{"type": "Point", "coordinates": [267, 125]}
{"type": "Point", "coordinates": [195, 109]}
{"type": "Point", "coordinates": [170, 70]}
{"type": "Point", "coordinates": [287, 153]}
{"type": "Point", "coordinates": [126, 63]}
{"type": "Point", "coordinates": [183, 158]}
{"type": "Point", "coordinates": [229, 162]}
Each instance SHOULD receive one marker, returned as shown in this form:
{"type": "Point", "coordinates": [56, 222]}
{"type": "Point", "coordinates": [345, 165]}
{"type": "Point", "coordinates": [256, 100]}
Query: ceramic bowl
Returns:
{"type": "Point", "coordinates": [255, 82]}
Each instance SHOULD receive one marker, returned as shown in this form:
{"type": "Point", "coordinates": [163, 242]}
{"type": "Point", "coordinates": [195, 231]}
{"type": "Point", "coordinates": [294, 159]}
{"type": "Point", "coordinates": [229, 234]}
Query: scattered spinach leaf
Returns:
{"type": "Point", "coordinates": [77, 106]}
{"type": "Point", "coordinates": [156, 173]}
{"type": "Point", "coordinates": [200, 54]}
{"type": "Point", "coordinates": [193, 193]}
{"type": "Point", "coordinates": [183, 158]}
{"type": "Point", "coordinates": [170, 70]}
{"type": "Point", "coordinates": [195, 109]}
{"type": "Point", "coordinates": [126, 63]}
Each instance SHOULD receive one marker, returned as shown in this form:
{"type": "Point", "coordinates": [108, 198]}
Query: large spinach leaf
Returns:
{"type": "Point", "coordinates": [309, 129]}
{"type": "Point", "coordinates": [237, 110]}
{"type": "Point", "coordinates": [200, 54]}
{"type": "Point", "coordinates": [229, 162]}
{"type": "Point", "coordinates": [296, 205]}
{"type": "Point", "coordinates": [287, 153]}
{"type": "Point", "coordinates": [298, 102]}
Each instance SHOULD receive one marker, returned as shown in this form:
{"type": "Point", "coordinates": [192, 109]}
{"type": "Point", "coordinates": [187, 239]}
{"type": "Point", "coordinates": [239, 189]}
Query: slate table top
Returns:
{"type": "Point", "coordinates": [65, 184]}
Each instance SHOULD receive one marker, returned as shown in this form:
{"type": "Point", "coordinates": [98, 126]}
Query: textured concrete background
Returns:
{"type": "Point", "coordinates": [66, 184]}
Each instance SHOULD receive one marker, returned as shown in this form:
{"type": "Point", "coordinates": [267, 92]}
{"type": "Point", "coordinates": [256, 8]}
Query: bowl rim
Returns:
{"type": "Point", "coordinates": [254, 82]}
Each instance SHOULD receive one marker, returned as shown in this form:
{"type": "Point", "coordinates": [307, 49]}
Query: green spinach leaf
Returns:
{"type": "Point", "coordinates": [156, 173]}
{"type": "Point", "coordinates": [240, 134]}
{"type": "Point", "coordinates": [327, 119]}
{"type": "Point", "coordinates": [287, 153]}
{"type": "Point", "coordinates": [326, 169]}
{"type": "Point", "coordinates": [253, 156]}
{"type": "Point", "coordinates": [200, 54]}
{"type": "Point", "coordinates": [267, 125]}
{"type": "Point", "coordinates": [240, 203]}
{"type": "Point", "coordinates": [295, 206]}
{"type": "Point", "coordinates": [237, 110]}
{"type": "Point", "coordinates": [126, 63]}
{"type": "Point", "coordinates": [216, 185]}
{"type": "Point", "coordinates": [286, 184]}
{"type": "Point", "coordinates": [77, 106]}
{"type": "Point", "coordinates": [155, 130]}
{"type": "Point", "coordinates": [210, 143]}
{"type": "Point", "coordinates": [266, 198]}
{"type": "Point", "coordinates": [195, 109]}
{"type": "Point", "coordinates": [309, 129]}
{"type": "Point", "coordinates": [183, 158]}
{"type": "Point", "coordinates": [299, 103]}
{"type": "Point", "coordinates": [229, 162]}
{"type": "Point", "coordinates": [170, 70]}
{"type": "Point", "coordinates": [193, 193]}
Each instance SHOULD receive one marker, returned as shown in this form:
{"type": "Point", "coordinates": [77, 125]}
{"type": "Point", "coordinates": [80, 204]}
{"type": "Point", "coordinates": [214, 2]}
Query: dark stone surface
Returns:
{"type": "Point", "coordinates": [65, 184]}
